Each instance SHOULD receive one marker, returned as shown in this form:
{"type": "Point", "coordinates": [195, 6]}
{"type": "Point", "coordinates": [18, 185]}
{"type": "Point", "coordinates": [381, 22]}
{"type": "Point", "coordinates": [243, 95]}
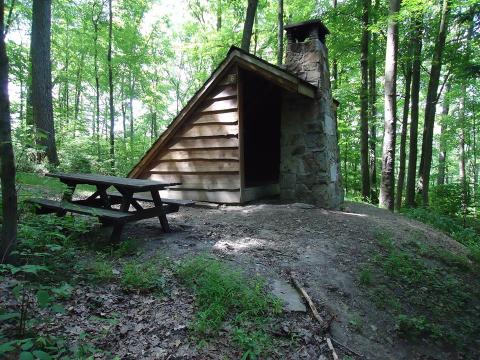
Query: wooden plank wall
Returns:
{"type": "Point", "coordinates": [204, 154]}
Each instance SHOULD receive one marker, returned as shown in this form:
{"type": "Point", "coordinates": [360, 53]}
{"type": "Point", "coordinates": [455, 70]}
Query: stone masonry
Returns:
{"type": "Point", "coordinates": [310, 164]}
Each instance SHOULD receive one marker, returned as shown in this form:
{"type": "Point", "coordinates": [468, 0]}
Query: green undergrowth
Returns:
{"type": "Point", "coordinates": [30, 184]}
{"type": "Point", "coordinates": [432, 293]}
{"type": "Point", "coordinates": [227, 299]}
{"type": "Point", "coordinates": [465, 232]}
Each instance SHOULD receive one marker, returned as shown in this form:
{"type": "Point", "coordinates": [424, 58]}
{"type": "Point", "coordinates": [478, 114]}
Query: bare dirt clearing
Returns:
{"type": "Point", "coordinates": [327, 250]}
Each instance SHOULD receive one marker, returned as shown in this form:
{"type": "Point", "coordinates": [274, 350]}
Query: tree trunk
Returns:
{"type": "Point", "coordinates": [461, 159]}
{"type": "Point", "coordinates": [403, 136]}
{"type": "Point", "coordinates": [42, 109]}
{"type": "Point", "coordinates": [110, 87]}
{"type": "Point", "coordinates": [280, 33]}
{"type": "Point", "coordinates": [387, 182]}
{"type": "Point", "coordinates": [364, 168]}
{"type": "Point", "coordinates": [248, 25]}
{"type": "Point", "coordinates": [372, 138]}
{"type": "Point", "coordinates": [442, 153]}
{"type": "Point", "coordinates": [415, 96]}
{"type": "Point", "coordinates": [8, 235]}
{"type": "Point", "coordinates": [219, 15]}
{"type": "Point", "coordinates": [78, 91]}
{"type": "Point", "coordinates": [431, 102]}
{"type": "Point", "coordinates": [95, 20]}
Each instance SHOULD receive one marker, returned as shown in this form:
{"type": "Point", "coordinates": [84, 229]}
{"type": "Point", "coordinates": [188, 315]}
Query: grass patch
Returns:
{"type": "Point", "coordinates": [432, 293]}
{"type": "Point", "coordinates": [225, 296]}
{"type": "Point", "coordinates": [101, 270]}
{"type": "Point", "coordinates": [142, 276]}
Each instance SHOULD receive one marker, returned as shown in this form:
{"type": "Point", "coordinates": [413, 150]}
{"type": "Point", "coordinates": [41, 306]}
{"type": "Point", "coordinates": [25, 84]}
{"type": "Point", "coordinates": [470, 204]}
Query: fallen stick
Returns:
{"type": "Point", "coordinates": [347, 348]}
{"type": "Point", "coordinates": [332, 349]}
{"type": "Point", "coordinates": [314, 310]}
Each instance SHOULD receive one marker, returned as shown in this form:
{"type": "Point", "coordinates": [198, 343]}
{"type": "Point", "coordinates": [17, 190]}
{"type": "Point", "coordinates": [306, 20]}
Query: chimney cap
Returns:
{"type": "Point", "coordinates": [307, 25]}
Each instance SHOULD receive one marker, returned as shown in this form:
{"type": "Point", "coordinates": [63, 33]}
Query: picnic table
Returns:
{"type": "Point", "coordinates": [127, 193]}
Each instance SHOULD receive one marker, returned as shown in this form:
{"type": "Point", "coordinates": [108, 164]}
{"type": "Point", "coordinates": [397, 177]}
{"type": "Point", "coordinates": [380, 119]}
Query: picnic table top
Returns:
{"type": "Point", "coordinates": [116, 181]}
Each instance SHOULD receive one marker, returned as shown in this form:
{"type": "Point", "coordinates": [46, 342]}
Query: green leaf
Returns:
{"type": "Point", "coordinates": [27, 345]}
{"type": "Point", "coordinates": [29, 269]}
{"type": "Point", "coordinates": [43, 298]}
{"type": "Point", "coordinates": [63, 291]}
{"type": "Point", "coordinates": [42, 355]}
{"type": "Point", "coordinates": [7, 347]}
{"type": "Point", "coordinates": [59, 309]}
{"type": "Point", "coordinates": [26, 355]}
{"type": "Point", "coordinates": [8, 316]}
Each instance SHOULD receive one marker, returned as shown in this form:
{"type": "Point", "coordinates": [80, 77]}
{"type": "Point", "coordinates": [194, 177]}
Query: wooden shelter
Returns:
{"type": "Point", "coordinates": [224, 146]}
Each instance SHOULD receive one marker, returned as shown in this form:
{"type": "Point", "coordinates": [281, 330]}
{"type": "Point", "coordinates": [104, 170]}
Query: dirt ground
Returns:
{"type": "Point", "coordinates": [325, 249]}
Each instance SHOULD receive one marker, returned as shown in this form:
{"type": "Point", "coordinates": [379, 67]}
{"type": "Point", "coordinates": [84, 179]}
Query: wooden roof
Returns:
{"type": "Point", "coordinates": [245, 60]}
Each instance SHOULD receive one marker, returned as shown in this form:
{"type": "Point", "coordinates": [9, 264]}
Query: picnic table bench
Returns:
{"type": "Point", "coordinates": [128, 193]}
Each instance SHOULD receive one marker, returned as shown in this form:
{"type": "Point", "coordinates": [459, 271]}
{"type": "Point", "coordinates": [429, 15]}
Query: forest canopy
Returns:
{"type": "Point", "coordinates": [149, 57]}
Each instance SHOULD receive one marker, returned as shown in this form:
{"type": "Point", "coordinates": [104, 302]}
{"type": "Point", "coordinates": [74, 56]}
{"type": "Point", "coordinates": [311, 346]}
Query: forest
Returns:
{"type": "Point", "coordinates": [87, 86]}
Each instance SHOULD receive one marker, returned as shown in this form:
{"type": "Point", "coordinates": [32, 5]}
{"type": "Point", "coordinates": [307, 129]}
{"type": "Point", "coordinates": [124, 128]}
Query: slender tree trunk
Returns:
{"type": "Point", "coordinates": [8, 234]}
{"type": "Point", "coordinates": [78, 92]}
{"type": "Point", "coordinates": [110, 86]}
{"type": "Point", "coordinates": [415, 96]}
{"type": "Point", "coordinates": [124, 112]}
{"type": "Point", "coordinates": [364, 168]}
{"type": "Point", "coordinates": [461, 159]}
{"type": "Point", "coordinates": [442, 153]}
{"type": "Point", "coordinates": [431, 102]}
{"type": "Point", "coordinates": [219, 15]}
{"type": "Point", "coordinates": [387, 182]}
{"type": "Point", "coordinates": [280, 33]}
{"type": "Point", "coordinates": [403, 136]}
{"type": "Point", "coordinates": [42, 109]}
{"type": "Point", "coordinates": [95, 20]}
{"type": "Point", "coordinates": [372, 138]}
{"type": "Point", "coordinates": [248, 25]}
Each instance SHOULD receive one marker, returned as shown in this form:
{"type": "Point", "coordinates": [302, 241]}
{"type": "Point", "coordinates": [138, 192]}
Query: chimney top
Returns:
{"type": "Point", "coordinates": [298, 32]}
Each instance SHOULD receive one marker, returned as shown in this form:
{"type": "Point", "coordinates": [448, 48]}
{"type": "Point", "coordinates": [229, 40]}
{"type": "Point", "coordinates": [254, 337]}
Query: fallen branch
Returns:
{"type": "Point", "coordinates": [347, 348]}
{"type": "Point", "coordinates": [332, 349]}
{"type": "Point", "coordinates": [325, 325]}
{"type": "Point", "coordinates": [309, 301]}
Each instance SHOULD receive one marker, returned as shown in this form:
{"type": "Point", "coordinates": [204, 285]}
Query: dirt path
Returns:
{"type": "Point", "coordinates": [325, 248]}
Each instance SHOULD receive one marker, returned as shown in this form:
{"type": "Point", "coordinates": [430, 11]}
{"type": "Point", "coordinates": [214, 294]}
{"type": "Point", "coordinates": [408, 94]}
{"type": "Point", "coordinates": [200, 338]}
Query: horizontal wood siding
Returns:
{"type": "Point", "coordinates": [194, 166]}
{"type": "Point", "coordinates": [230, 117]}
{"type": "Point", "coordinates": [205, 181]}
{"type": "Point", "coordinates": [230, 154]}
{"type": "Point", "coordinates": [203, 154]}
{"type": "Point", "coordinates": [225, 197]}
{"type": "Point", "coordinates": [202, 143]}
{"type": "Point", "coordinates": [210, 130]}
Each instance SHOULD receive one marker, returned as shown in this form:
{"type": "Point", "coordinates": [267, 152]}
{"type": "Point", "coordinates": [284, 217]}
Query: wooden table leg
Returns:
{"type": "Point", "coordinates": [162, 217]}
{"type": "Point", "coordinates": [117, 228]}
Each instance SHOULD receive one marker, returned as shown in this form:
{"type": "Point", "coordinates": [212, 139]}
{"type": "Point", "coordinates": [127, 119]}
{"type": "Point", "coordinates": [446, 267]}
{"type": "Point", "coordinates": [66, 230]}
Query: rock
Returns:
{"type": "Point", "coordinates": [292, 301]}
{"type": "Point", "coordinates": [303, 206]}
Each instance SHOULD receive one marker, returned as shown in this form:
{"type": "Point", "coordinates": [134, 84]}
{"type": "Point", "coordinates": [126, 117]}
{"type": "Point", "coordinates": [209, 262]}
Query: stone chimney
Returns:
{"type": "Point", "coordinates": [310, 164]}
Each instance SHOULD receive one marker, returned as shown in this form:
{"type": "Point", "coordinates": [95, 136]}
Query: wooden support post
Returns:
{"type": "Point", "coordinates": [162, 217]}
{"type": "Point", "coordinates": [117, 228]}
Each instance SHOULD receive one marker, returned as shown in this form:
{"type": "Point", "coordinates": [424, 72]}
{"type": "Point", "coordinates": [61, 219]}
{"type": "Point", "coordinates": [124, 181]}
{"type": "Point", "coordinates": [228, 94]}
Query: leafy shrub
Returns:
{"type": "Point", "coordinates": [447, 199]}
